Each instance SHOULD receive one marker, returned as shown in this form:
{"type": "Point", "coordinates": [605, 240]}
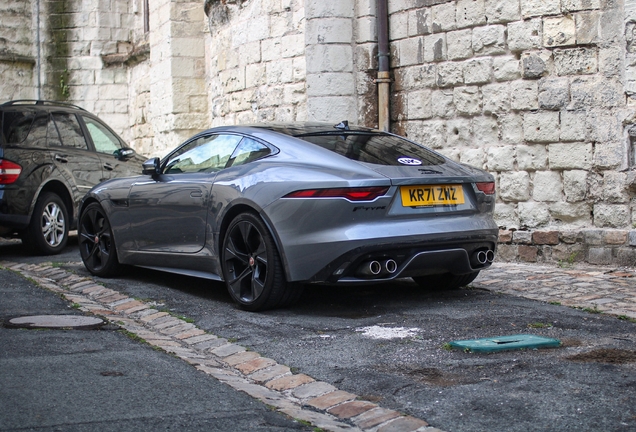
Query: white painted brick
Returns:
{"type": "Point", "coordinates": [614, 187]}
{"type": "Point", "coordinates": [570, 156]}
{"type": "Point", "coordinates": [541, 127]}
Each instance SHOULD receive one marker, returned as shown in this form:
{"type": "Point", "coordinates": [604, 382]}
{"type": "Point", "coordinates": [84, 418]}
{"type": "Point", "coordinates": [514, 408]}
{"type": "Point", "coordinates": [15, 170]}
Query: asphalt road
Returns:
{"type": "Point", "coordinates": [333, 334]}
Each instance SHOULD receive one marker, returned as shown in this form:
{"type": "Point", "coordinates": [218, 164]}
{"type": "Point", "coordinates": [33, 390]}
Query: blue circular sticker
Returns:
{"type": "Point", "coordinates": [409, 161]}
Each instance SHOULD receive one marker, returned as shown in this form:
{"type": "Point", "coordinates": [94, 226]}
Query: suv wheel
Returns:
{"type": "Point", "coordinates": [47, 233]}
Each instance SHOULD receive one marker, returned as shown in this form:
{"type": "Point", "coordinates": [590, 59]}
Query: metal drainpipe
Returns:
{"type": "Point", "coordinates": [383, 80]}
{"type": "Point", "coordinates": [38, 62]}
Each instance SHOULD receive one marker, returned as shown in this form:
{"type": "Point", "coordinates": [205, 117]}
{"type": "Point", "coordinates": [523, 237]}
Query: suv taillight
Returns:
{"type": "Point", "coordinates": [9, 171]}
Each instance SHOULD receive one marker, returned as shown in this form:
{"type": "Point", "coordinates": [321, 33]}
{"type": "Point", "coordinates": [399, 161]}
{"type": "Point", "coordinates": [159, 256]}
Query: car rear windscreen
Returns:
{"type": "Point", "coordinates": [375, 148]}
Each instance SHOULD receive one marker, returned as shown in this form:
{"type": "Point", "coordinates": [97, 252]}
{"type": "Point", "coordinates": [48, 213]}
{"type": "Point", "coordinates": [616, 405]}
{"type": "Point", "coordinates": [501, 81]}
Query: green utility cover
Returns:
{"type": "Point", "coordinates": [502, 343]}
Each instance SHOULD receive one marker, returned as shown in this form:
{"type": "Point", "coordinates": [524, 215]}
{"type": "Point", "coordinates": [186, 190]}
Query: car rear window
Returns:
{"type": "Point", "coordinates": [375, 148]}
{"type": "Point", "coordinates": [16, 126]}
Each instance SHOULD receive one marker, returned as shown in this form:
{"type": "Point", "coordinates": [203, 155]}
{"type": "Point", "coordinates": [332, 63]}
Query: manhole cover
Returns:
{"type": "Point", "coordinates": [56, 321]}
{"type": "Point", "coordinates": [502, 343]}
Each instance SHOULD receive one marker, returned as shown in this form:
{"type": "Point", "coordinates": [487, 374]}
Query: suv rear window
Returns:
{"type": "Point", "coordinates": [16, 126]}
{"type": "Point", "coordinates": [371, 147]}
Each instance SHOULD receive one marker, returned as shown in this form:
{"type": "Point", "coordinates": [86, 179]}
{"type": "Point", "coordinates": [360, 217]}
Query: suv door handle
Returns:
{"type": "Point", "coordinates": [108, 167]}
{"type": "Point", "coordinates": [60, 158]}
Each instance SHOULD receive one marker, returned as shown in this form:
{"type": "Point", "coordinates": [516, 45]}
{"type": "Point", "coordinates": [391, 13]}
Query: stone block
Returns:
{"type": "Point", "coordinates": [587, 27]}
{"type": "Point", "coordinates": [532, 157]}
{"type": "Point", "coordinates": [570, 156]}
{"type": "Point", "coordinates": [554, 94]}
{"type": "Point", "coordinates": [610, 155]}
{"type": "Point", "coordinates": [470, 13]}
{"type": "Point", "coordinates": [496, 98]}
{"type": "Point", "coordinates": [593, 237]}
{"type": "Point", "coordinates": [505, 236]}
{"type": "Point", "coordinates": [292, 45]}
{"type": "Point", "coordinates": [485, 131]}
{"type": "Point", "coordinates": [614, 187]}
{"type": "Point", "coordinates": [459, 132]}
{"type": "Point", "coordinates": [571, 236]}
{"type": "Point", "coordinates": [501, 158]}
{"type": "Point", "coordinates": [506, 68]}
{"type": "Point", "coordinates": [577, 5]}
{"type": "Point", "coordinates": [433, 133]}
{"type": "Point", "coordinates": [478, 71]}
{"type": "Point", "coordinates": [506, 216]}
{"type": "Point", "coordinates": [514, 186]}
{"type": "Point", "coordinates": [559, 31]}
{"type": "Point", "coordinates": [575, 61]}
{"type": "Point", "coordinates": [442, 103]}
{"type": "Point", "coordinates": [626, 257]}
{"type": "Point", "coordinates": [344, 9]}
{"type": "Point", "coordinates": [545, 237]}
{"type": "Point", "coordinates": [547, 186]}
{"type": "Point", "coordinates": [632, 238]}
{"type": "Point", "coordinates": [599, 255]}
{"type": "Point", "coordinates": [524, 95]}
{"type": "Point", "coordinates": [443, 17]}
{"type": "Point", "coordinates": [489, 40]}
{"type": "Point", "coordinates": [330, 58]}
{"type": "Point", "coordinates": [524, 35]}
{"type": "Point", "coordinates": [450, 74]}
{"type": "Point", "coordinates": [507, 253]}
{"type": "Point", "coordinates": [418, 76]}
{"type": "Point", "coordinates": [473, 157]}
{"type": "Point", "coordinates": [575, 185]}
{"type": "Point", "coordinates": [502, 11]}
{"type": "Point", "coordinates": [419, 105]}
{"type": "Point", "coordinates": [398, 23]}
{"type": "Point", "coordinates": [528, 253]}
{"type": "Point", "coordinates": [534, 8]}
{"type": "Point", "coordinates": [573, 126]}
{"type": "Point", "coordinates": [541, 127]}
{"type": "Point", "coordinates": [323, 84]}
{"type": "Point", "coordinates": [459, 44]}
{"type": "Point", "coordinates": [467, 100]}
{"type": "Point", "coordinates": [434, 48]}
{"type": "Point", "coordinates": [511, 128]}
{"type": "Point", "coordinates": [611, 215]}
{"type": "Point", "coordinates": [533, 66]}
{"type": "Point", "coordinates": [420, 21]}
{"type": "Point", "coordinates": [571, 213]}
{"type": "Point", "coordinates": [615, 237]}
{"type": "Point", "coordinates": [522, 237]}
{"type": "Point", "coordinates": [533, 215]}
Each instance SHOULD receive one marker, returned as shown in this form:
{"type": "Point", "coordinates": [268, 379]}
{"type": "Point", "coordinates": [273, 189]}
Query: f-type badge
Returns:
{"type": "Point", "coordinates": [409, 161]}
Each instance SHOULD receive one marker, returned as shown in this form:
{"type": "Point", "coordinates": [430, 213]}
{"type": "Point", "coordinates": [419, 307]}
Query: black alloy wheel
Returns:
{"type": "Point", "coordinates": [252, 268]}
{"type": "Point", "coordinates": [47, 233]}
{"type": "Point", "coordinates": [96, 243]}
{"type": "Point", "coordinates": [446, 281]}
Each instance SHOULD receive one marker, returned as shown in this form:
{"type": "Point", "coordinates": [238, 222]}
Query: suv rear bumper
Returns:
{"type": "Point", "coordinates": [13, 221]}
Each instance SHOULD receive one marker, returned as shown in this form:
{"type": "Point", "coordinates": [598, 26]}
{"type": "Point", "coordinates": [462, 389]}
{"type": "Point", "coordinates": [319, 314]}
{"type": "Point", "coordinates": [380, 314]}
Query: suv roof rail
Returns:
{"type": "Point", "coordinates": [41, 102]}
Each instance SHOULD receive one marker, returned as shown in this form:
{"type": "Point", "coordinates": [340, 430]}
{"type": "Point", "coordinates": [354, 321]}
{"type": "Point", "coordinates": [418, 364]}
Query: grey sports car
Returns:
{"type": "Point", "coordinates": [268, 208]}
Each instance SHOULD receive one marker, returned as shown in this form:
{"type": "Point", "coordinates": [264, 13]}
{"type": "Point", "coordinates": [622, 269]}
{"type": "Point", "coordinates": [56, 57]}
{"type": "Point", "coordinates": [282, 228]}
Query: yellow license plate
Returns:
{"type": "Point", "coordinates": [432, 195]}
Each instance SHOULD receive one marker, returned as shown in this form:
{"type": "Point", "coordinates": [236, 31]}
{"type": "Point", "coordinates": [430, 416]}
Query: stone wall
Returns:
{"type": "Point", "coordinates": [17, 50]}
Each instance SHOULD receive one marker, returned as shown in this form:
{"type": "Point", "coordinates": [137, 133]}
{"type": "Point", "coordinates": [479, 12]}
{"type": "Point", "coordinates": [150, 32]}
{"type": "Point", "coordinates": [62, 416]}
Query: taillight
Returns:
{"type": "Point", "coordinates": [352, 194]}
{"type": "Point", "coordinates": [9, 171]}
{"type": "Point", "coordinates": [487, 188]}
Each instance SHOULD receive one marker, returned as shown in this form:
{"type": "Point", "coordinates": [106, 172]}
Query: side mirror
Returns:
{"type": "Point", "coordinates": [124, 153]}
{"type": "Point", "coordinates": [151, 167]}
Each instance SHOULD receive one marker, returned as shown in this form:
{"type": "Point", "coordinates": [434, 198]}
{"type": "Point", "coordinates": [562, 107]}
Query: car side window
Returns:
{"type": "Point", "coordinates": [210, 153]}
{"type": "Point", "coordinates": [70, 131]}
{"type": "Point", "coordinates": [248, 150]}
{"type": "Point", "coordinates": [105, 141]}
{"type": "Point", "coordinates": [17, 126]}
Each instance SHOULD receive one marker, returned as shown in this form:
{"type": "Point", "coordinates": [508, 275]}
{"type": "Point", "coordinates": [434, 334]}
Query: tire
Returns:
{"type": "Point", "coordinates": [96, 242]}
{"type": "Point", "coordinates": [47, 233]}
{"type": "Point", "coordinates": [446, 281]}
{"type": "Point", "coordinates": [252, 267]}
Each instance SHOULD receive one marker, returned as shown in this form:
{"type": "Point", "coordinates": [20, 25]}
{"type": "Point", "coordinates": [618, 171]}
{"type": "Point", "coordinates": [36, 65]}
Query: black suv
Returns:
{"type": "Point", "coordinates": [51, 154]}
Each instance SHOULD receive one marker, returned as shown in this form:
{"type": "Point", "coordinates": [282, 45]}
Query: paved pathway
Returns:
{"type": "Point", "coordinates": [597, 289]}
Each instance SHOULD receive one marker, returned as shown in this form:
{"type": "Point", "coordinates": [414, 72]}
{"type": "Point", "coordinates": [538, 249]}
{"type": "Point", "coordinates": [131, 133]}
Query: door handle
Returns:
{"type": "Point", "coordinates": [108, 167]}
{"type": "Point", "coordinates": [60, 158]}
{"type": "Point", "coordinates": [196, 194]}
